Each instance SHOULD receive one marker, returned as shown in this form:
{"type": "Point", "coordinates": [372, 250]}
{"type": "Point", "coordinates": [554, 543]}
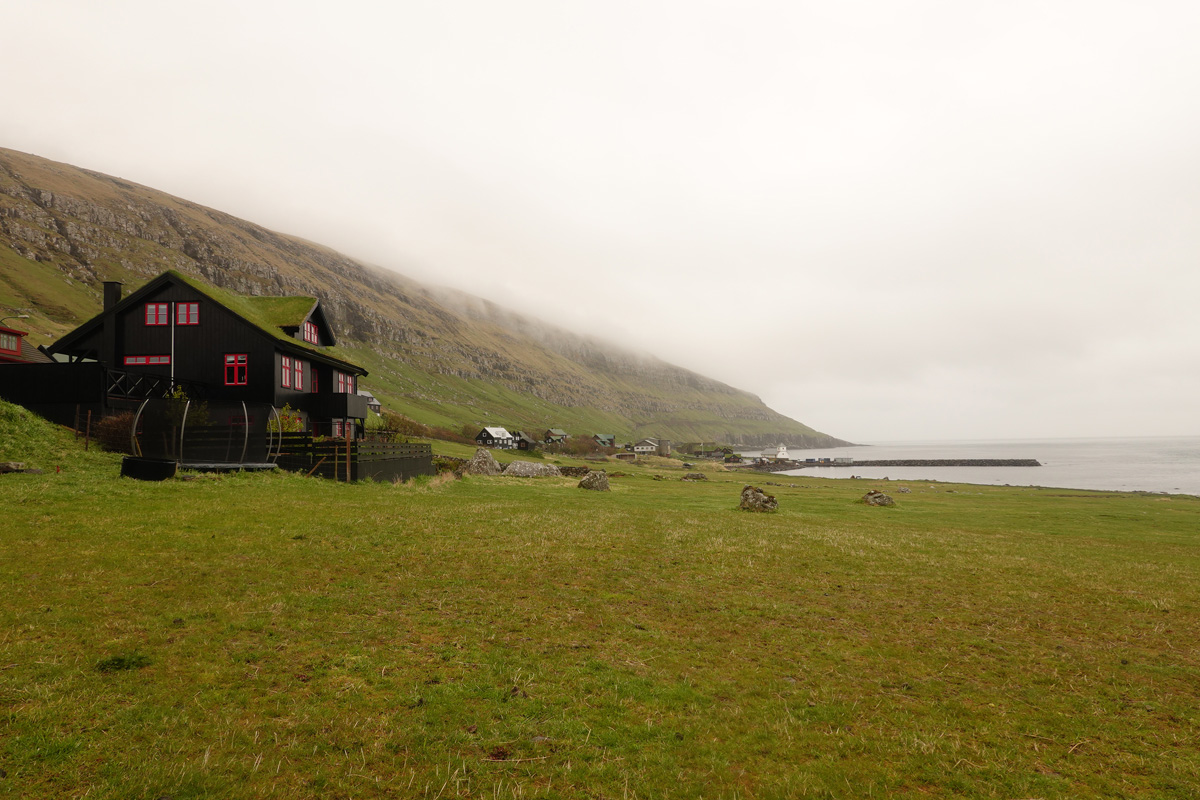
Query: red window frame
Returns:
{"type": "Point", "coordinates": [187, 313]}
{"type": "Point", "coordinates": [285, 374]}
{"type": "Point", "coordinates": [146, 360]}
{"type": "Point", "coordinates": [298, 375]}
{"type": "Point", "coordinates": [15, 347]}
{"type": "Point", "coordinates": [337, 428]}
{"type": "Point", "coordinates": [158, 314]}
{"type": "Point", "coordinates": [312, 384]}
{"type": "Point", "coordinates": [237, 369]}
{"type": "Point", "coordinates": [310, 332]}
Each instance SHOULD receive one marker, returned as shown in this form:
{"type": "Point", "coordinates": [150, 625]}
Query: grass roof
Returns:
{"type": "Point", "coordinates": [270, 314]}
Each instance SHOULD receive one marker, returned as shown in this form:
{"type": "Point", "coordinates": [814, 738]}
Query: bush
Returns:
{"type": "Point", "coordinates": [289, 421]}
{"type": "Point", "coordinates": [112, 432]}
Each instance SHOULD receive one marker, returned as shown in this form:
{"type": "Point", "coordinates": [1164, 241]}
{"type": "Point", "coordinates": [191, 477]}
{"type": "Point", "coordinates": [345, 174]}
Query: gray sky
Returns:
{"type": "Point", "coordinates": [891, 220]}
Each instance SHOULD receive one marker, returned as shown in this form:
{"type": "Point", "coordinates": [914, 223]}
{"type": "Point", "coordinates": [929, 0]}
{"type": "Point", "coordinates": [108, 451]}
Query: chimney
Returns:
{"type": "Point", "coordinates": [112, 293]}
{"type": "Point", "coordinates": [108, 342]}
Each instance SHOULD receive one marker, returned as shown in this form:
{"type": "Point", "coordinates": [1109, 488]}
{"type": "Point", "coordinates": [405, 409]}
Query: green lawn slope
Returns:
{"type": "Point", "coordinates": [276, 636]}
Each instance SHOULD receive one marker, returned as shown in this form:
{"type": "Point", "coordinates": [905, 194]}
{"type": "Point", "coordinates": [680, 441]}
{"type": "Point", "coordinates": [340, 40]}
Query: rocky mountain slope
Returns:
{"type": "Point", "coordinates": [439, 356]}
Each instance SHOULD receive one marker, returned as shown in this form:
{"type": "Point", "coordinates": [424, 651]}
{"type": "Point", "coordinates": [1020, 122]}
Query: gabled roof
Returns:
{"type": "Point", "coordinates": [495, 433]}
{"type": "Point", "coordinates": [268, 315]}
{"type": "Point", "coordinates": [28, 353]}
{"type": "Point", "coordinates": [556, 432]}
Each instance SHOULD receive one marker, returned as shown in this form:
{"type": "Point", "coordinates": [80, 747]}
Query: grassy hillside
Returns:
{"type": "Point", "coordinates": [276, 636]}
{"type": "Point", "coordinates": [439, 356]}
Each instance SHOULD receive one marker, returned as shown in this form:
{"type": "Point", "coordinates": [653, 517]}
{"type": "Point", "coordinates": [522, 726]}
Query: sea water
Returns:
{"type": "Point", "coordinates": [1157, 464]}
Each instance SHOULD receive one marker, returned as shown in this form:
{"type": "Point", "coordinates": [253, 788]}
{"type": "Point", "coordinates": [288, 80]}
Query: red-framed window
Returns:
{"type": "Point", "coordinates": [298, 375]}
{"type": "Point", "coordinates": [10, 342]}
{"type": "Point", "coordinates": [187, 313]}
{"type": "Point", "coordinates": [310, 332]}
{"type": "Point", "coordinates": [338, 430]}
{"type": "Point", "coordinates": [285, 374]}
{"type": "Point", "coordinates": [235, 369]}
{"type": "Point", "coordinates": [156, 314]}
{"type": "Point", "coordinates": [345, 383]}
{"type": "Point", "coordinates": [144, 360]}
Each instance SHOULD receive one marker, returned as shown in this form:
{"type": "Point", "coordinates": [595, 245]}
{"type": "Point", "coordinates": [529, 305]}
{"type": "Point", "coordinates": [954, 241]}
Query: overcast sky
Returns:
{"type": "Point", "coordinates": [892, 220]}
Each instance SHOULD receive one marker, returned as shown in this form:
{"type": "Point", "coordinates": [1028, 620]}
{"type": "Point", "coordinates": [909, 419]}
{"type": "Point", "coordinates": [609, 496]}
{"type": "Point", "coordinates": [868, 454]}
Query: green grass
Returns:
{"type": "Point", "coordinates": [494, 637]}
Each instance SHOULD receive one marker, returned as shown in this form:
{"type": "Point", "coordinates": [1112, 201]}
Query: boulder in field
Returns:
{"type": "Point", "coordinates": [755, 499]}
{"type": "Point", "coordinates": [483, 463]}
{"type": "Point", "coordinates": [876, 498]}
{"type": "Point", "coordinates": [596, 481]}
{"type": "Point", "coordinates": [531, 469]}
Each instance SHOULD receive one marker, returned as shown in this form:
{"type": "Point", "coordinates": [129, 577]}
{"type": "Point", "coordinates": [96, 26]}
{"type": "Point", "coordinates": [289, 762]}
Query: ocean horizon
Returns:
{"type": "Point", "coordinates": [1168, 464]}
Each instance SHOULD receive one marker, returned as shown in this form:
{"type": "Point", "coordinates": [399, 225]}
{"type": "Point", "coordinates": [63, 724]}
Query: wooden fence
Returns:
{"type": "Point", "coordinates": [355, 459]}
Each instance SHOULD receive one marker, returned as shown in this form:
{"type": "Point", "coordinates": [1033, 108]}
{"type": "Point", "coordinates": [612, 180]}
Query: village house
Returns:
{"type": "Point", "coordinates": [525, 441]}
{"type": "Point", "coordinates": [650, 446]}
{"type": "Point", "coordinates": [555, 436]}
{"type": "Point", "coordinates": [373, 403]}
{"type": "Point", "coordinates": [177, 332]}
{"type": "Point", "coordinates": [497, 438]}
{"type": "Point", "coordinates": [645, 447]}
{"type": "Point", "coordinates": [605, 439]}
{"type": "Point", "coordinates": [14, 349]}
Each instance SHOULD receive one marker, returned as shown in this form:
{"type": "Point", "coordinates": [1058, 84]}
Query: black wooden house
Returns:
{"type": "Point", "coordinates": [221, 347]}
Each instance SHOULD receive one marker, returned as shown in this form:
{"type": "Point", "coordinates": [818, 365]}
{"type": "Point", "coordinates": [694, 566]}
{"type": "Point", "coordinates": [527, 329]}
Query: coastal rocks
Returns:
{"type": "Point", "coordinates": [875, 498]}
{"type": "Point", "coordinates": [755, 499]}
{"type": "Point", "coordinates": [529, 469]}
{"type": "Point", "coordinates": [904, 490]}
{"type": "Point", "coordinates": [483, 463]}
{"type": "Point", "coordinates": [694, 476]}
{"type": "Point", "coordinates": [596, 481]}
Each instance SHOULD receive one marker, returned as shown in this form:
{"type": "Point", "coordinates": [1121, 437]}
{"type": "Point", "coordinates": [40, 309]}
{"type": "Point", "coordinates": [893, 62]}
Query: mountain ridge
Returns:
{"type": "Point", "coordinates": [436, 354]}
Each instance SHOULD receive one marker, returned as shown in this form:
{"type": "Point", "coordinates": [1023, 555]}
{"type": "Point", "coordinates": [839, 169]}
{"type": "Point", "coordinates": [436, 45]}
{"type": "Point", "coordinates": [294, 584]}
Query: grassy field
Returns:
{"type": "Point", "coordinates": [276, 636]}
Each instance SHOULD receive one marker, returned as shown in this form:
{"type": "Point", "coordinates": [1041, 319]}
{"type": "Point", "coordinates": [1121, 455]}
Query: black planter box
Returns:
{"type": "Point", "coordinates": [148, 469]}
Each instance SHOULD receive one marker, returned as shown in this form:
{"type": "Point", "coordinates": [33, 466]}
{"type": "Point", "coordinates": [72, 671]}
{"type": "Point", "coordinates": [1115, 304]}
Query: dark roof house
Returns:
{"type": "Point", "coordinates": [224, 347]}
{"type": "Point", "coordinates": [525, 441]}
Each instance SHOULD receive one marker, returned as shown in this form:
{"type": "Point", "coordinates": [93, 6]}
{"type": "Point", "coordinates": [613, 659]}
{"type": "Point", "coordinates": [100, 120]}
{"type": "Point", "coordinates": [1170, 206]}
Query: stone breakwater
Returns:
{"type": "Point", "coordinates": [949, 462]}
{"type": "Point", "coordinates": [784, 466]}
